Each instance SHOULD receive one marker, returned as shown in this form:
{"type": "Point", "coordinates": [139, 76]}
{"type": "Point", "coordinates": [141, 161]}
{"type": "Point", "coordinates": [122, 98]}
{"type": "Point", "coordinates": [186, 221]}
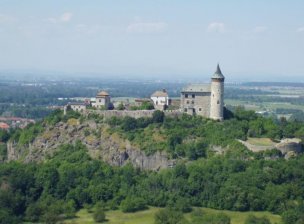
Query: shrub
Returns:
{"type": "Point", "coordinates": [133, 204]}
{"type": "Point", "coordinates": [99, 215]}
{"type": "Point", "coordinates": [169, 216]}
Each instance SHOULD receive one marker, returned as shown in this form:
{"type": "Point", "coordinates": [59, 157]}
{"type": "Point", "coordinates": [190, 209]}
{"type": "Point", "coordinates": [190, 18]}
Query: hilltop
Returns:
{"type": "Point", "coordinates": [154, 142]}
{"type": "Point", "coordinates": [70, 162]}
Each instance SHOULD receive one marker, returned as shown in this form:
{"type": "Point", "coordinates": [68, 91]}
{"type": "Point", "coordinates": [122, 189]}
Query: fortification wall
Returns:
{"type": "Point", "coordinates": [131, 113]}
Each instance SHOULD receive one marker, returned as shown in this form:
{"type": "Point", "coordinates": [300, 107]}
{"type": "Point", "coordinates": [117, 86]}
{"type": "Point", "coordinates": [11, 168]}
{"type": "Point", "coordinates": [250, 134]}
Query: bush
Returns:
{"type": "Point", "coordinates": [99, 215]}
{"type": "Point", "coordinates": [169, 216]}
{"type": "Point", "coordinates": [133, 204]}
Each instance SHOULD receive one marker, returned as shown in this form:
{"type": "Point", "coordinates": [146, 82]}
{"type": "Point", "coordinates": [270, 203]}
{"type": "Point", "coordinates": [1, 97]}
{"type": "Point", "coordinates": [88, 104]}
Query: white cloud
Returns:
{"type": "Point", "coordinates": [216, 27]}
{"type": "Point", "coordinates": [300, 29]}
{"type": "Point", "coordinates": [141, 27]}
{"type": "Point", "coordinates": [64, 18]}
{"type": "Point", "coordinates": [260, 29]}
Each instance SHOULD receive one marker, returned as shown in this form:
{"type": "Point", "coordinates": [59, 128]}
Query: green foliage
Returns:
{"type": "Point", "coordinates": [143, 106]}
{"type": "Point", "coordinates": [99, 215]}
{"type": "Point", "coordinates": [6, 217]}
{"type": "Point", "coordinates": [158, 116]}
{"type": "Point", "coordinates": [237, 180]}
{"type": "Point", "coordinates": [3, 151]}
{"type": "Point", "coordinates": [133, 204]}
{"type": "Point", "coordinates": [255, 220]}
{"type": "Point", "coordinates": [169, 216]}
{"type": "Point", "coordinates": [4, 135]}
{"type": "Point", "coordinates": [120, 106]}
{"type": "Point", "coordinates": [294, 214]}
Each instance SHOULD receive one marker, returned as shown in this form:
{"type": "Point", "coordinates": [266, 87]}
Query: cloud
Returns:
{"type": "Point", "coordinates": [300, 29]}
{"type": "Point", "coordinates": [64, 18]}
{"type": "Point", "coordinates": [141, 27]}
{"type": "Point", "coordinates": [260, 29]}
{"type": "Point", "coordinates": [216, 27]}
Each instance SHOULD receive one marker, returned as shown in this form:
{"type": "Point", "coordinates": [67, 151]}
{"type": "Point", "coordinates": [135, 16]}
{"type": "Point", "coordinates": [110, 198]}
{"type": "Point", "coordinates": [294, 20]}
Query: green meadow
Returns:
{"type": "Point", "coordinates": [147, 216]}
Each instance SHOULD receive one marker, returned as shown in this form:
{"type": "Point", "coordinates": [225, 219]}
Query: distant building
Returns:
{"type": "Point", "coordinates": [160, 99]}
{"type": "Point", "coordinates": [206, 100]}
{"type": "Point", "coordinates": [77, 106]}
{"type": "Point", "coordinates": [4, 126]}
{"type": "Point", "coordinates": [103, 100]}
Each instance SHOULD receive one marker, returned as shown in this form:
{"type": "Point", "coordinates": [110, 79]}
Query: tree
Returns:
{"type": "Point", "coordinates": [158, 116]}
{"type": "Point", "coordinates": [120, 106]}
{"type": "Point", "coordinates": [129, 124]}
{"type": "Point", "coordinates": [99, 215]}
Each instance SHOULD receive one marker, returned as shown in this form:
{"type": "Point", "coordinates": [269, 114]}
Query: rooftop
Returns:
{"type": "Point", "coordinates": [218, 73]}
{"type": "Point", "coordinates": [160, 93]}
{"type": "Point", "coordinates": [77, 103]}
{"type": "Point", "coordinates": [103, 93]}
{"type": "Point", "coordinates": [4, 125]}
{"type": "Point", "coordinates": [197, 88]}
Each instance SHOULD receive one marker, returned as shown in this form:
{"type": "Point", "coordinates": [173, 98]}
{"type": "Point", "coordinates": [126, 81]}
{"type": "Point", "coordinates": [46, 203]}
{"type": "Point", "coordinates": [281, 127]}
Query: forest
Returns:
{"type": "Point", "coordinates": [237, 180]}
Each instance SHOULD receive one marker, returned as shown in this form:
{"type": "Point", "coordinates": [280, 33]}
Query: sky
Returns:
{"type": "Point", "coordinates": [252, 40]}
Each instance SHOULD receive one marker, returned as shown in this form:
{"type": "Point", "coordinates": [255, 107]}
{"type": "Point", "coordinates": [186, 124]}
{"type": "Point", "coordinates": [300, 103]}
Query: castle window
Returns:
{"type": "Point", "coordinates": [185, 110]}
{"type": "Point", "coordinates": [187, 101]}
{"type": "Point", "coordinates": [218, 102]}
{"type": "Point", "coordinates": [193, 95]}
{"type": "Point", "coordinates": [192, 102]}
{"type": "Point", "coordinates": [199, 109]}
{"type": "Point", "coordinates": [186, 95]}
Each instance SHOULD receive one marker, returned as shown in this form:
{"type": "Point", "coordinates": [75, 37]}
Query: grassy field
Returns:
{"type": "Point", "coordinates": [263, 106]}
{"type": "Point", "coordinates": [261, 141]}
{"type": "Point", "coordinates": [147, 217]}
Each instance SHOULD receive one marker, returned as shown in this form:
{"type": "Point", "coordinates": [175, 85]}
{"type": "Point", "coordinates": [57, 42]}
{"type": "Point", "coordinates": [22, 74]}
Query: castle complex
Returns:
{"type": "Point", "coordinates": [206, 100]}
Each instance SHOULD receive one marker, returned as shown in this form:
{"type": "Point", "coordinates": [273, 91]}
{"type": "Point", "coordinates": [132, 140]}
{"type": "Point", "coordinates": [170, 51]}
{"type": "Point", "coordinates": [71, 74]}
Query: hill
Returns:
{"type": "Point", "coordinates": [59, 167]}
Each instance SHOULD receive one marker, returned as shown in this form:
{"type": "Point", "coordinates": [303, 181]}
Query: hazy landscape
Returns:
{"type": "Point", "coordinates": [151, 112]}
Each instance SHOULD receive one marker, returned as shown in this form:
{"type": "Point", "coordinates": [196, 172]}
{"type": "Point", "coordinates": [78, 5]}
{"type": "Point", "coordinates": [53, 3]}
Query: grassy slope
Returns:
{"type": "Point", "coordinates": [261, 141]}
{"type": "Point", "coordinates": [147, 217]}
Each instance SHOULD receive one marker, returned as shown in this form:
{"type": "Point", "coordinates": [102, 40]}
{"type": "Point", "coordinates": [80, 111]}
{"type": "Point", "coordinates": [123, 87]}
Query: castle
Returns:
{"type": "Point", "coordinates": [206, 100]}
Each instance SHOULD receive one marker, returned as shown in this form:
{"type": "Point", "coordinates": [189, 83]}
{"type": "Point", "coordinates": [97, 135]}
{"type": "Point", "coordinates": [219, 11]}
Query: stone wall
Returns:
{"type": "Point", "coordinates": [131, 113]}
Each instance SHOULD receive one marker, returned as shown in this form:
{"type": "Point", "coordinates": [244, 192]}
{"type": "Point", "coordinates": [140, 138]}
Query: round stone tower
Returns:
{"type": "Point", "coordinates": [217, 95]}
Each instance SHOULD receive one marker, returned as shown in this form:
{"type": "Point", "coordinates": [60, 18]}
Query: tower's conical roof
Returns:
{"type": "Point", "coordinates": [218, 73]}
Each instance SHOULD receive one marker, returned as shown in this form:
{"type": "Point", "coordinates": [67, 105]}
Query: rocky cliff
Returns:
{"type": "Point", "coordinates": [100, 144]}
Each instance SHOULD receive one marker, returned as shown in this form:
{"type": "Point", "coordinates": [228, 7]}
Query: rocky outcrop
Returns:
{"type": "Point", "coordinates": [289, 147]}
{"type": "Point", "coordinates": [100, 144]}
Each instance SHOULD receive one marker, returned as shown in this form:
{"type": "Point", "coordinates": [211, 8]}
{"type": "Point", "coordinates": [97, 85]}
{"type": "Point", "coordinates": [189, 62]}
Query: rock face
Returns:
{"type": "Point", "coordinates": [100, 144]}
{"type": "Point", "coordinates": [289, 147]}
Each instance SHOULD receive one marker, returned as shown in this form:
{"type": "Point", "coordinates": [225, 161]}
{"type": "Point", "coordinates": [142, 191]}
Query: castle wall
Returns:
{"type": "Point", "coordinates": [196, 103]}
{"type": "Point", "coordinates": [217, 100]}
{"type": "Point", "coordinates": [131, 113]}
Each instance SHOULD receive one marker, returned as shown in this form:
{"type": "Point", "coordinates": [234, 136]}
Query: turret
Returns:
{"type": "Point", "coordinates": [217, 95]}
